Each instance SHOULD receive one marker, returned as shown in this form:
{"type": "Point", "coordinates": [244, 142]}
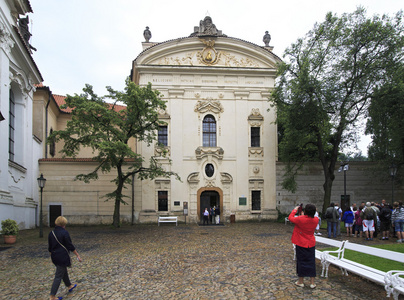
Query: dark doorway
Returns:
{"type": "Point", "coordinates": [54, 212]}
{"type": "Point", "coordinates": [208, 199]}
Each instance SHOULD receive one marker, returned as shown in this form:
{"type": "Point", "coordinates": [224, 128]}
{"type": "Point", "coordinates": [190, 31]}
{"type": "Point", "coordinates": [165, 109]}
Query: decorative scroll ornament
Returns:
{"type": "Point", "coordinates": [203, 106]}
{"type": "Point", "coordinates": [193, 177]}
{"type": "Point", "coordinates": [6, 42]}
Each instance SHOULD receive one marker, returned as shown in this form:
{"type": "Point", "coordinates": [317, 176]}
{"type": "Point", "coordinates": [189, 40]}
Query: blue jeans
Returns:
{"type": "Point", "coordinates": [398, 225]}
{"type": "Point", "coordinates": [334, 228]}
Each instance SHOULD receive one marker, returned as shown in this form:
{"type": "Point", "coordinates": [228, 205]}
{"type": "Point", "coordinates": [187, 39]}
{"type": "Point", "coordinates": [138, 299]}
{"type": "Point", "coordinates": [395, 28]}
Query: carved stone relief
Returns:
{"type": "Point", "coordinates": [257, 152]}
{"type": "Point", "coordinates": [216, 152]}
{"type": "Point", "coordinates": [6, 42]}
{"type": "Point", "coordinates": [208, 104]}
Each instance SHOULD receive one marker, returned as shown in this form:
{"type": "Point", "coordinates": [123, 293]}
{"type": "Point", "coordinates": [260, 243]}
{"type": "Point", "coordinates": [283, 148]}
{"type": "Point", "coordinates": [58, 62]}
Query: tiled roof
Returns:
{"type": "Point", "coordinates": [76, 160]}
{"type": "Point", "coordinates": [60, 100]}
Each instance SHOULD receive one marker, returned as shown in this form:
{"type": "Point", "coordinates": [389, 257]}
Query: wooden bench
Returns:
{"type": "Point", "coordinates": [391, 281]}
{"type": "Point", "coordinates": [168, 220]}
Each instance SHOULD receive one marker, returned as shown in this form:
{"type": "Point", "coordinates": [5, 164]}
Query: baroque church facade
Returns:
{"type": "Point", "coordinates": [219, 134]}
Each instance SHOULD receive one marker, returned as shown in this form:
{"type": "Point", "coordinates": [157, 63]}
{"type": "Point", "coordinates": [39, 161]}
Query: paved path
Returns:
{"type": "Point", "coordinates": [235, 261]}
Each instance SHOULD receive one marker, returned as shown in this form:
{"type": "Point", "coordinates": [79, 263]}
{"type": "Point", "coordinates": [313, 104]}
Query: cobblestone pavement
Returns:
{"type": "Point", "coordinates": [235, 261]}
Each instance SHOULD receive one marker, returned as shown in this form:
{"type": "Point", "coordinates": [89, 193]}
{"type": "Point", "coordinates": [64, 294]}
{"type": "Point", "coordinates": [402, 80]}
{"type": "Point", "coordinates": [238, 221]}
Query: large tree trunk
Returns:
{"type": "Point", "coordinates": [327, 191]}
{"type": "Point", "coordinates": [116, 222]}
{"type": "Point", "coordinates": [117, 216]}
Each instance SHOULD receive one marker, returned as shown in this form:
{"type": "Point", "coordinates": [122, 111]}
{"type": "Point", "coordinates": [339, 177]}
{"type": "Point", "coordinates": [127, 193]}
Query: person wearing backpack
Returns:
{"type": "Point", "coordinates": [368, 216]}
{"type": "Point", "coordinates": [332, 217]}
{"type": "Point", "coordinates": [397, 220]}
{"type": "Point", "coordinates": [385, 219]}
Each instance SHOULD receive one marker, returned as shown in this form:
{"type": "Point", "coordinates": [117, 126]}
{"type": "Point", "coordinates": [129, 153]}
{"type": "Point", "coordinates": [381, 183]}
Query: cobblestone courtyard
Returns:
{"type": "Point", "coordinates": [235, 261]}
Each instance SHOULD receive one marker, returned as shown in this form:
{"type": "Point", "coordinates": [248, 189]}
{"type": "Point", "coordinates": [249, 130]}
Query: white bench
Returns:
{"type": "Point", "coordinates": [391, 281]}
{"type": "Point", "coordinates": [168, 220]}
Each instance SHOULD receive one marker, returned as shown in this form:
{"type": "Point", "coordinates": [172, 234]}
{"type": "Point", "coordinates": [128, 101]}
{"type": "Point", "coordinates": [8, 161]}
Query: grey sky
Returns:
{"type": "Point", "coordinates": [95, 41]}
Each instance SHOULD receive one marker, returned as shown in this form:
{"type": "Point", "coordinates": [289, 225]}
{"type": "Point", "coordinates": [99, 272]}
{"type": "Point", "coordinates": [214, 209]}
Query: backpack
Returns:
{"type": "Point", "coordinates": [328, 214]}
{"type": "Point", "coordinates": [386, 214]}
{"type": "Point", "coordinates": [369, 214]}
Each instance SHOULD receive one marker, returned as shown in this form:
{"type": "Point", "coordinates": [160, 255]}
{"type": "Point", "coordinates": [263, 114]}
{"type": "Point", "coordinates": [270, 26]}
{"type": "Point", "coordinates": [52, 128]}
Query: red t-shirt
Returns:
{"type": "Point", "coordinates": [303, 233]}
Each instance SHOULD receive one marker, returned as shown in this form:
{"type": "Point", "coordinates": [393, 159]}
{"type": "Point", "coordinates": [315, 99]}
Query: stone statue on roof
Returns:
{"type": "Point", "coordinates": [266, 39]}
{"type": "Point", "coordinates": [147, 34]}
{"type": "Point", "coordinates": [206, 28]}
{"type": "Point", "coordinates": [24, 30]}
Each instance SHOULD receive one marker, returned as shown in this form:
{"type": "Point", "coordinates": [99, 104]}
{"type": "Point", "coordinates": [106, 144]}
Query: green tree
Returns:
{"type": "Point", "coordinates": [107, 129]}
{"type": "Point", "coordinates": [385, 122]}
{"type": "Point", "coordinates": [325, 86]}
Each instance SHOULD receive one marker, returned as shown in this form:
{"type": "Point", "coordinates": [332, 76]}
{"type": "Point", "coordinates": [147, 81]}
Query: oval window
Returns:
{"type": "Point", "coordinates": [209, 170]}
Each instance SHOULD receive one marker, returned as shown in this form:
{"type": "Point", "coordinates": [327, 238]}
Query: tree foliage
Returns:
{"type": "Point", "coordinates": [107, 128]}
{"type": "Point", "coordinates": [386, 120]}
{"type": "Point", "coordinates": [325, 87]}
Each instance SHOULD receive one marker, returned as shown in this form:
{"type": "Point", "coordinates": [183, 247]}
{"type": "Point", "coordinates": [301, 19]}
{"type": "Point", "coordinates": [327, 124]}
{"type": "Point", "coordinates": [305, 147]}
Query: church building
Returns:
{"type": "Point", "coordinates": [220, 133]}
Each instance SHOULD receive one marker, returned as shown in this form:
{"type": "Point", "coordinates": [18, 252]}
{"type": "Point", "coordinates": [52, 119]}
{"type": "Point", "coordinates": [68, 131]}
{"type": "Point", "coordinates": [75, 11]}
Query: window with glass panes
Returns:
{"type": "Point", "coordinates": [209, 131]}
{"type": "Point", "coordinates": [11, 127]}
{"type": "Point", "coordinates": [256, 200]}
{"type": "Point", "coordinates": [162, 200]}
{"type": "Point", "coordinates": [163, 135]}
{"type": "Point", "coordinates": [255, 137]}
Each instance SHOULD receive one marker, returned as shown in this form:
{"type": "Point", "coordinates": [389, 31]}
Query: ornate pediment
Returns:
{"type": "Point", "coordinates": [255, 118]}
{"type": "Point", "coordinates": [208, 105]}
{"type": "Point", "coordinates": [210, 56]}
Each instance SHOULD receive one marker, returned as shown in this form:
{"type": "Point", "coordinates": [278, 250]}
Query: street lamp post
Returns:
{"type": "Point", "coordinates": [41, 184]}
{"type": "Point", "coordinates": [344, 167]}
{"type": "Point", "coordinates": [393, 172]}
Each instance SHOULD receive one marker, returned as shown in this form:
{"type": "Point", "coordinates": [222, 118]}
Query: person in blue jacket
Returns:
{"type": "Point", "coordinates": [60, 245]}
{"type": "Point", "coordinates": [348, 217]}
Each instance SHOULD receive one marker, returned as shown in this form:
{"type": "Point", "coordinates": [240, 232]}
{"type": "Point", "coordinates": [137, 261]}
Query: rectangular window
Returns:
{"type": "Point", "coordinates": [162, 200]}
{"type": "Point", "coordinates": [11, 127]}
{"type": "Point", "coordinates": [256, 200]}
{"type": "Point", "coordinates": [255, 137]}
{"type": "Point", "coordinates": [163, 135]}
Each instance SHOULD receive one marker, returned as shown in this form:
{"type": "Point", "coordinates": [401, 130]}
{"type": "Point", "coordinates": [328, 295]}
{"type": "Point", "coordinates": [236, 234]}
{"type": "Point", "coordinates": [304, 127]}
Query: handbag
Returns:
{"type": "Point", "coordinates": [68, 254]}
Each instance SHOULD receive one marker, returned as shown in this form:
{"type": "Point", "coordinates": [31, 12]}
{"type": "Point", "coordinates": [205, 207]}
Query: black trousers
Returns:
{"type": "Point", "coordinates": [60, 274]}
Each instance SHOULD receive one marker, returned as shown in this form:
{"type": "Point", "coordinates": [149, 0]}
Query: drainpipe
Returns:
{"type": "Point", "coordinates": [46, 123]}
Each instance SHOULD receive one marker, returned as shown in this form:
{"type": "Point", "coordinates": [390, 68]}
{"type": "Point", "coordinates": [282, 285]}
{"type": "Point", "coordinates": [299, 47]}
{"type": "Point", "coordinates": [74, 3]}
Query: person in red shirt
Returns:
{"type": "Point", "coordinates": [303, 238]}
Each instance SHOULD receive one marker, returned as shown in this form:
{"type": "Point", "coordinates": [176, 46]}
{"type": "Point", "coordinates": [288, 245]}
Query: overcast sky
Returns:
{"type": "Point", "coordinates": [95, 41]}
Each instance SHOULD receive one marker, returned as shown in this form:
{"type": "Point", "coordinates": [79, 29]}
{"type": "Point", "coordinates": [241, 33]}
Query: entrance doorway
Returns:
{"type": "Point", "coordinates": [208, 199]}
{"type": "Point", "coordinates": [54, 212]}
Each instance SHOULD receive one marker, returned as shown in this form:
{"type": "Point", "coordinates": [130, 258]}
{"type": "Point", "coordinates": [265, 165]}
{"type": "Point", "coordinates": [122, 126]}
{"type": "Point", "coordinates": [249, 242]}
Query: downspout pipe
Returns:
{"type": "Point", "coordinates": [46, 122]}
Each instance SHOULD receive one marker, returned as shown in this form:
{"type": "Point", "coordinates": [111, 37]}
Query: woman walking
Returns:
{"type": "Point", "coordinates": [60, 245]}
{"type": "Point", "coordinates": [303, 238]}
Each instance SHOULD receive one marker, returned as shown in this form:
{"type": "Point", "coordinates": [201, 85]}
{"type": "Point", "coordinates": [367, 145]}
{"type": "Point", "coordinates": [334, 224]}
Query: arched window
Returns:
{"type": "Point", "coordinates": [209, 131]}
{"type": "Point", "coordinates": [11, 126]}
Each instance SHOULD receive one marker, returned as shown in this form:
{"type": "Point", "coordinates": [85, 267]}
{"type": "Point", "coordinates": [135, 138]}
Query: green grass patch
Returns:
{"type": "Point", "coordinates": [382, 264]}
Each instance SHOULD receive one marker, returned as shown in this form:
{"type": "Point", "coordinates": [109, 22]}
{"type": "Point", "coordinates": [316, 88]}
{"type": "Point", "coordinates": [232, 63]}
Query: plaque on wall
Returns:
{"type": "Point", "coordinates": [242, 201]}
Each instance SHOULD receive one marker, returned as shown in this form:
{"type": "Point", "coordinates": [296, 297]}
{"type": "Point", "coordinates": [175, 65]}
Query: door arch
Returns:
{"type": "Point", "coordinates": [208, 196]}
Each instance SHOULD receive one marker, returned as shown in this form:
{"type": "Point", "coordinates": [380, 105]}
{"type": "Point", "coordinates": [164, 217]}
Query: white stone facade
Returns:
{"type": "Point", "coordinates": [229, 81]}
{"type": "Point", "coordinates": [19, 149]}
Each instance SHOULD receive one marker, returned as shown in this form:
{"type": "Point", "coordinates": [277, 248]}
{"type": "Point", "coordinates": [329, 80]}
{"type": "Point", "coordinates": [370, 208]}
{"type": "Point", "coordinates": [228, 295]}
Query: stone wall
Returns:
{"type": "Point", "coordinates": [364, 182]}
